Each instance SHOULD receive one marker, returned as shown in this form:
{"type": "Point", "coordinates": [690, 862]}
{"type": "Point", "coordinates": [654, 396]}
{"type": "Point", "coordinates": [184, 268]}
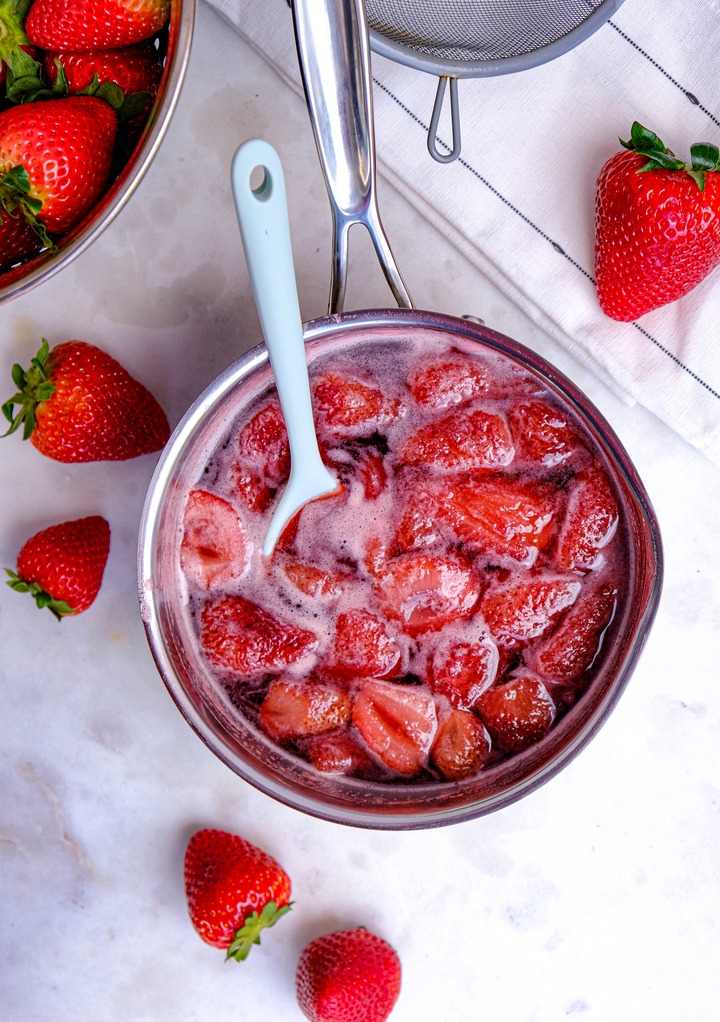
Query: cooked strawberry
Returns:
{"type": "Point", "coordinates": [542, 433]}
{"type": "Point", "coordinates": [348, 976]}
{"type": "Point", "coordinates": [589, 524]}
{"type": "Point", "coordinates": [442, 380]}
{"type": "Point", "coordinates": [339, 752]}
{"type": "Point", "coordinates": [295, 708]}
{"type": "Point", "coordinates": [62, 566]}
{"type": "Point", "coordinates": [314, 581]}
{"type": "Point", "coordinates": [424, 591]}
{"type": "Point", "coordinates": [397, 723]}
{"type": "Point", "coordinates": [88, 25]}
{"type": "Point", "coordinates": [461, 747]}
{"type": "Point", "coordinates": [244, 638]}
{"type": "Point", "coordinates": [518, 712]}
{"type": "Point", "coordinates": [65, 147]}
{"type": "Point", "coordinates": [461, 668]}
{"type": "Point", "coordinates": [573, 646]}
{"type": "Point", "coordinates": [461, 440]}
{"type": "Point", "coordinates": [371, 472]}
{"type": "Point", "coordinates": [362, 646]}
{"type": "Point", "coordinates": [78, 404]}
{"type": "Point", "coordinates": [419, 523]}
{"type": "Point", "coordinates": [657, 224]}
{"type": "Point", "coordinates": [352, 406]}
{"type": "Point", "coordinates": [252, 491]}
{"type": "Point", "coordinates": [499, 516]}
{"type": "Point", "coordinates": [214, 548]}
{"type": "Point", "coordinates": [263, 444]}
{"type": "Point", "coordinates": [526, 607]}
{"type": "Point", "coordinates": [234, 891]}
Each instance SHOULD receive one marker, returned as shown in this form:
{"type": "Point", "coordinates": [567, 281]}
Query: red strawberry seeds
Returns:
{"type": "Point", "coordinates": [77, 404]}
{"type": "Point", "coordinates": [348, 976]}
{"type": "Point", "coordinates": [234, 891]}
{"type": "Point", "coordinates": [657, 224]}
{"type": "Point", "coordinates": [62, 566]}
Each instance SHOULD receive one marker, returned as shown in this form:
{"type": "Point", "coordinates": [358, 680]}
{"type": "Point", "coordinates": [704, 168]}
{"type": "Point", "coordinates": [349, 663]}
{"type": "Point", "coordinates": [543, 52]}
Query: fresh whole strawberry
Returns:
{"type": "Point", "coordinates": [55, 160]}
{"type": "Point", "coordinates": [86, 25]}
{"type": "Point", "coordinates": [657, 224]}
{"type": "Point", "coordinates": [348, 976]}
{"type": "Point", "coordinates": [78, 404]}
{"type": "Point", "coordinates": [234, 891]}
{"type": "Point", "coordinates": [62, 566]}
{"type": "Point", "coordinates": [136, 70]}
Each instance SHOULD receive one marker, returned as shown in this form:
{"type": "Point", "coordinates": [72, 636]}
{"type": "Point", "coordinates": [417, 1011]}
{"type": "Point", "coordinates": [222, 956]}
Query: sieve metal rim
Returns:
{"type": "Point", "coordinates": [410, 56]}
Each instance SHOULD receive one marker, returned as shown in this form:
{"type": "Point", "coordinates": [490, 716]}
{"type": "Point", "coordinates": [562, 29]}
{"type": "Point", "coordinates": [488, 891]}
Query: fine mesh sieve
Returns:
{"type": "Point", "coordinates": [478, 38]}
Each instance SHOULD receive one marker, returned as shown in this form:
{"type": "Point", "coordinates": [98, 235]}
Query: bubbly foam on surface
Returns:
{"type": "Point", "coordinates": [395, 530]}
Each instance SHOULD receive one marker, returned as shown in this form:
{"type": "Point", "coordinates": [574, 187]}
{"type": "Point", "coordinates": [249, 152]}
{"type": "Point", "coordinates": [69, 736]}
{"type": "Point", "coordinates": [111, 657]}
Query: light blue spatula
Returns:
{"type": "Point", "coordinates": [263, 218]}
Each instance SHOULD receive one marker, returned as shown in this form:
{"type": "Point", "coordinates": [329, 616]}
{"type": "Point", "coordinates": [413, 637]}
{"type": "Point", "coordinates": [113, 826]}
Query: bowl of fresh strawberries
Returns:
{"type": "Point", "coordinates": [88, 89]}
{"type": "Point", "coordinates": [448, 630]}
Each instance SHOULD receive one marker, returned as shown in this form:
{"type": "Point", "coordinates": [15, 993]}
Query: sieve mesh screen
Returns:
{"type": "Point", "coordinates": [477, 30]}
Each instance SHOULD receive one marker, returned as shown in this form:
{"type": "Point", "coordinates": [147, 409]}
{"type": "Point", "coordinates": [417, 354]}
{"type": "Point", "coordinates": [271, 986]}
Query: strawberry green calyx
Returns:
{"type": "Point", "coordinates": [704, 156]}
{"type": "Point", "coordinates": [12, 27]}
{"type": "Point", "coordinates": [58, 608]}
{"type": "Point", "coordinates": [33, 387]}
{"type": "Point", "coordinates": [16, 201]}
{"type": "Point", "coordinates": [26, 83]}
{"type": "Point", "coordinates": [249, 932]}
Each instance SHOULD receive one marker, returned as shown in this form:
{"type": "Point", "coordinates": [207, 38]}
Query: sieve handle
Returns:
{"type": "Point", "coordinates": [334, 52]}
{"type": "Point", "coordinates": [445, 157]}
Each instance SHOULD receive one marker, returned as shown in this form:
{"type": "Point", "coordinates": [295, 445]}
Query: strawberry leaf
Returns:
{"type": "Point", "coordinates": [249, 932]}
{"type": "Point", "coordinates": [33, 387]}
{"type": "Point", "coordinates": [58, 608]}
{"type": "Point", "coordinates": [704, 156]}
{"type": "Point", "coordinates": [26, 82]}
{"type": "Point", "coordinates": [16, 200]}
{"type": "Point", "coordinates": [643, 140]}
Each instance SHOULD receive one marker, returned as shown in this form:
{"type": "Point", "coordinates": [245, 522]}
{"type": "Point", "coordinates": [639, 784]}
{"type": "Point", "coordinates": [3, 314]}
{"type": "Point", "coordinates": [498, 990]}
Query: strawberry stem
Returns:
{"type": "Point", "coordinates": [33, 387]}
{"type": "Point", "coordinates": [58, 608]}
{"type": "Point", "coordinates": [249, 932]}
{"type": "Point", "coordinates": [704, 156]}
{"type": "Point", "coordinates": [16, 201]}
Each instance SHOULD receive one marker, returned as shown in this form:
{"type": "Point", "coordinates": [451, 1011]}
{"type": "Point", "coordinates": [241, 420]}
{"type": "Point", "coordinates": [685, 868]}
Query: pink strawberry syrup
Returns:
{"type": "Point", "coordinates": [478, 531]}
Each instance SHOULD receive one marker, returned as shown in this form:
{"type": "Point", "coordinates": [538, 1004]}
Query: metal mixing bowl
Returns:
{"type": "Point", "coordinates": [20, 279]}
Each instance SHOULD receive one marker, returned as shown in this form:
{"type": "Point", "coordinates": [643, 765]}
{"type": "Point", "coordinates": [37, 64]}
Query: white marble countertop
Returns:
{"type": "Point", "coordinates": [596, 898]}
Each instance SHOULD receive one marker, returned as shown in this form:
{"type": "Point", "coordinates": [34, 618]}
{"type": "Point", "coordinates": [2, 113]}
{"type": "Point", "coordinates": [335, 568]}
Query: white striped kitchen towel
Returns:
{"type": "Point", "coordinates": [519, 200]}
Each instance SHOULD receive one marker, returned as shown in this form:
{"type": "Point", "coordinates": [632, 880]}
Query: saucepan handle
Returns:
{"type": "Point", "coordinates": [334, 52]}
